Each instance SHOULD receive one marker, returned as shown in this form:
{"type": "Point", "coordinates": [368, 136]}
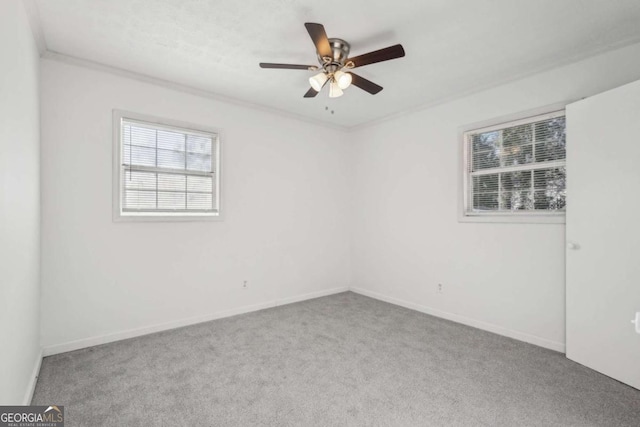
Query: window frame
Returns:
{"type": "Point", "coordinates": [464, 215]}
{"type": "Point", "coordinates": [118, 215]}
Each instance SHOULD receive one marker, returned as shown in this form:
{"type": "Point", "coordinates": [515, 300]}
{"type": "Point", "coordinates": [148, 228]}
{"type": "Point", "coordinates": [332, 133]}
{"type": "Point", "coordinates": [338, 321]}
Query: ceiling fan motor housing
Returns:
{"type": "Point", "coordinates": [340, 51]}
{"type": "Point", "coordinates": [333, 57]}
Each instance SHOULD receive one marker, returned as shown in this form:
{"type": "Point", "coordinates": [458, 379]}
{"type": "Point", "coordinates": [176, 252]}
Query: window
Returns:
{"type": "Point", "coordinates": [164, 169]}
{"type": "Point", "coordinates": [516, 169]}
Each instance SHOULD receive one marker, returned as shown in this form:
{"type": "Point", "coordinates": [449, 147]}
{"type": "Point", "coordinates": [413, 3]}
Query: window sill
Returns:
{"type": "Point", "coordinates": [117, 217]}
{"type": "Point", "coordinates": [514, 219]}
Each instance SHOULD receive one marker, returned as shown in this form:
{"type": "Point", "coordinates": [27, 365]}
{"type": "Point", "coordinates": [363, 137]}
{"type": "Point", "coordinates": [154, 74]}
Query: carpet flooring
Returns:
{"type": "Point", "coordinates": [342, 360]}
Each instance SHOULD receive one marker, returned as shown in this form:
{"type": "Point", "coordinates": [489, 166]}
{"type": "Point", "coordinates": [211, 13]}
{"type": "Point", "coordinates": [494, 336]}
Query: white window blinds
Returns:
{"type": "Point", "coordinates": [167, 170]}
{"type": "Point", "coordinates": [517, 167]}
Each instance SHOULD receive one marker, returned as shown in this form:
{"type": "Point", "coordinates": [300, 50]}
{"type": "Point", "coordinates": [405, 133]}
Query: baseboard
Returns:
{"type": "Point", "coordinates": [132, 333]}
{"type": "Point", "coordinates": [310, 295]}
{"type": "Point", "coordinates": [520, 336]}
{"type": "Point", "coordinates": [31, 387]}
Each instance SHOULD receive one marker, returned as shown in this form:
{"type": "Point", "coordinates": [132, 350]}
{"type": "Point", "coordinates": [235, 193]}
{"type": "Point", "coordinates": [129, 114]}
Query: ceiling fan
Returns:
{"type": "Point", "coordinates": [336, 65]}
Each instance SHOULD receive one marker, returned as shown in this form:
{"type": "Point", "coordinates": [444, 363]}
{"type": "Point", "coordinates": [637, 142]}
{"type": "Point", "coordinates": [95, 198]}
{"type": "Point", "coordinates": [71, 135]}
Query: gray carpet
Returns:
{"type": "Point", "coordinates": [343, 360]}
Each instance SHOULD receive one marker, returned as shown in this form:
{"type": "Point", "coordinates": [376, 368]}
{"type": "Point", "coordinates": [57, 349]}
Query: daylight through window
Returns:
{"type": "Point", "coordinates": [517, 168]}
{"type": "Point", "coordinates": [167, 171]}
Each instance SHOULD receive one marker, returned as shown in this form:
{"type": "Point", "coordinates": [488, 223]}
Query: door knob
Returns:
{"type": "Point", "coordinates": [637, 322]}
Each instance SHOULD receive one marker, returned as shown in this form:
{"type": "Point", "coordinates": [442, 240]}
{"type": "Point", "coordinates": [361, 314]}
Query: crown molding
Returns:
{"type": "Point", "coordinates": [33, 15]}
{"type": "Point", "coordinates": [85, 63]}
{"type": "Point", "coordinates": [570, 60]}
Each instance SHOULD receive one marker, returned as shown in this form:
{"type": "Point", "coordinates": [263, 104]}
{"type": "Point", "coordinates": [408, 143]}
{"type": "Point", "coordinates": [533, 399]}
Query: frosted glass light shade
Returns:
{"type": "Point", "coordinates": [334, 90]}
{"type": "Point", "coordinates": [318, 81]}
{"type": "Point", "coordinates": [343, 79]}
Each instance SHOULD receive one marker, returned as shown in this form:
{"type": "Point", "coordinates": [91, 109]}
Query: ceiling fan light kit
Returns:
{"type": "Point", "coordinates": [334, 90]}
{"type": "Point", "coordinates": [343, 79]}
{"type": "Point", "coordinates": [336, 65]}
{"type": "Point", "coordinates": [318, 81]}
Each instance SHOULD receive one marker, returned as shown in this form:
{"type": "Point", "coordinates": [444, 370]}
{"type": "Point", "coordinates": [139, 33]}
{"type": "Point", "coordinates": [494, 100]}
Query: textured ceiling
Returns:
{"type": "Point", "coordinates": [453, 46]}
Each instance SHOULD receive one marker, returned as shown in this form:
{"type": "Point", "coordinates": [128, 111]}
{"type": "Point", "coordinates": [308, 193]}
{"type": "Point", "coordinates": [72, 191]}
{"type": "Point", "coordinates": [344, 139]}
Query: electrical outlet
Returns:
{"type": "Point", "coordinates": [439, 288]}
{"type": "Point", "coordinates": [244, 284]}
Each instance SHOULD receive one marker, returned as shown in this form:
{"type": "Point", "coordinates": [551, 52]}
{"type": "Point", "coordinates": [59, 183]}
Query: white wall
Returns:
{"type": "Point", "coordinates": [19, 205]}
{"type": "Point", "coordinates": [308, 210]}
{"type": "Point", "coordinates": [285, 227]}
{"type": "Point", "coordinates": [508, 278]}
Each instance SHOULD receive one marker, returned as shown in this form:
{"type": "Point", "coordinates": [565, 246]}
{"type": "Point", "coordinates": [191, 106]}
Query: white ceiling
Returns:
{"type": "Point", "coordinates": [453, 46]}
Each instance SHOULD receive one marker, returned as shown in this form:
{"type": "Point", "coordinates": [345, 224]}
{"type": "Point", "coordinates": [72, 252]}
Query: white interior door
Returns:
{"type": "Point", "coordinates": [603, 233]}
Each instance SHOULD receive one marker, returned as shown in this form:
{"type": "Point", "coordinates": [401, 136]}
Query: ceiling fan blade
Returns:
{"type": "Point", "coordinates": [391, 52]}
{"type": "Point", "coordinates": [364, 84]}
{"type": "Point", "coordinates": [288, 66]}
{"type": "Point", "coordinates": [319, 37]}
{"type": "Point", "coordinates": [311, 93]}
